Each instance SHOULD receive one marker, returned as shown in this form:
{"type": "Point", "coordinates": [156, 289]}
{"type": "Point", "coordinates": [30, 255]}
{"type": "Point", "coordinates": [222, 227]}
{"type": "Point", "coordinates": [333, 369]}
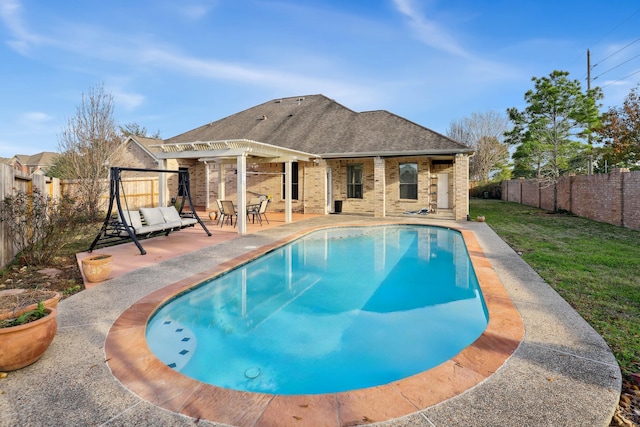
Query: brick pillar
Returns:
{"type": "Point", "coordinates": [461, 187]}
{"type": "Point", "coordinates": [379, 172]}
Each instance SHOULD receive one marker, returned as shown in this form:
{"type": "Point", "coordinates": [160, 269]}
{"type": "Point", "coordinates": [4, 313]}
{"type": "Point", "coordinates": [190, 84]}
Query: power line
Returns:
{"type": "Point", "coordinates": [616, 52]}
{"type": "Point", "coordinates": [611, 31]}
{"type": "Point", "coordinates": [616, 81]}
{"type": "Point", "coordinates": [617, 66]}
{"type": "Point", "coordinates": [617, 26]}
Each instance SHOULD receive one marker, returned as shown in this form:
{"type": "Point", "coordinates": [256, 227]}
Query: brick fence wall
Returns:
{"type": "Point", "coordinates": [612, 198]}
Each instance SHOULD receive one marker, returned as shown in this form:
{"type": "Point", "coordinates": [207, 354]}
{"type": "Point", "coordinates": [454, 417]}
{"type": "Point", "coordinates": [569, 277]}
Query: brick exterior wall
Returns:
{"type": "Point", "coordinates": [612, 198]}
{"type": "Point", "coordinates": [381, 193]}
{"type": "Point", "coordinates": [460, 191]}
{"type": "Point", "coordinates": [315, 187]}
{"type": "Point", "coordinates": [381, 190]}
{"type": "Point", "coordinates": [135, 157]}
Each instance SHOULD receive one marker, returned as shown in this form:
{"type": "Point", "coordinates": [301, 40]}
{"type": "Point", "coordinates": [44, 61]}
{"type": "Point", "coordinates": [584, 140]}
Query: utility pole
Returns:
{"type": "Point", "coordinates": [590, 165]}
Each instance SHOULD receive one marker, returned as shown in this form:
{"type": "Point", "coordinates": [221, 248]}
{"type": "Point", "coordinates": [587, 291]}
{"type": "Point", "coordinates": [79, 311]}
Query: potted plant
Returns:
{"type": "Point", "coordinates": [15, 302]}
{"type": "Point", "coordinates": [97, 268]}
{"type": "Point", "coordinates": [25, 338]}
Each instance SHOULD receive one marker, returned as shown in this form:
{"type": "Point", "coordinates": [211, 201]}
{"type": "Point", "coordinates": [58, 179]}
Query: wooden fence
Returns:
{"type": "Point", "coordinates": [135, 191]}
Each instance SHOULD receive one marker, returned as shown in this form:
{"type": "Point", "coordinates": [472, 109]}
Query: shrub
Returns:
{"type": "Point", "coordinates": [38, 225]}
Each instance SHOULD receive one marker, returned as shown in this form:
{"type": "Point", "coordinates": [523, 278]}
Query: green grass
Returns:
{"type": "Point", "coordinates": [592, 265]}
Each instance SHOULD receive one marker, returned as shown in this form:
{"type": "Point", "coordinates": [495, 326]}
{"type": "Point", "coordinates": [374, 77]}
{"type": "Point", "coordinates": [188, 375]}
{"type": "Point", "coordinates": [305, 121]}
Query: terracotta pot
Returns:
{"type": "Point", "coordinates": [481, 219]}
{"type": "Point", "coordinates": [51, 302]}
{"type": "Point", "coordinates": [97, 268]}
{"type": "Point", "coordinates": [22, 345]}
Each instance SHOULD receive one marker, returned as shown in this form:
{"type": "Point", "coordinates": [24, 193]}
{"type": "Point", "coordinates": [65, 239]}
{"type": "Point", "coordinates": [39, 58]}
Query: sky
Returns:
{"type": "Point", "coordinates": [172, 65]}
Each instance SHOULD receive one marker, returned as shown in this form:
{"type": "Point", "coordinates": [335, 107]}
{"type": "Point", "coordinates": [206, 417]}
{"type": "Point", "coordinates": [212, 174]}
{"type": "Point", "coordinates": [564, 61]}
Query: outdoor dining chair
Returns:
{"type": "Point", "coordinates": [259, 211]}
{"type": "Point", "coordinates": [227, 212]}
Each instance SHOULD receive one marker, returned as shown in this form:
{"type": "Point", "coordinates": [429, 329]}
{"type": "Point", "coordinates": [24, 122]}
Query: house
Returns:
{"type": "Point", "coordinates": [26, 165]}
{"type": "Point", "coordinates": [327, 157]}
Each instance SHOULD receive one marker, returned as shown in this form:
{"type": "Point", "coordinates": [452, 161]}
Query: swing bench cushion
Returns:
{"type": "Point", "coordinates": [156, 219]}
{"type": "Point", "coordinates": [134, 220]}
{"type": "Point", "coordinates": [153, 217]}
{"type": "Point", "coordinates": [171, 215]}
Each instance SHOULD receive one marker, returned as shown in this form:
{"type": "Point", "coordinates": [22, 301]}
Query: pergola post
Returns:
{"type": "Point", "coordinates": [221, 190]}
{"type": "Point", "coordinates": [241, 220]}
{"type": "Point", "coordinates": [207, 185]}
{"type": "Point", "coordinates": [162, 184]}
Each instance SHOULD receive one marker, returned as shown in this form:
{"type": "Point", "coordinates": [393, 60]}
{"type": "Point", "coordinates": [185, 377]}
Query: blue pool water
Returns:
{"type": "Point", "coordinates": [336, 310]}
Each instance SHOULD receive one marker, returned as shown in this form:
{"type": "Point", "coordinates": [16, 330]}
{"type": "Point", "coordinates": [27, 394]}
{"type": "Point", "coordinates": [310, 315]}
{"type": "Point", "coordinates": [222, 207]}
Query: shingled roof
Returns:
{"type": "Point", "coordinates": [319, 125]}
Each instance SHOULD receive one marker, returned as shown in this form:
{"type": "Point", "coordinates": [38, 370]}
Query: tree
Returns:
{"type": "Point", "coordinates": [134, 129]}
{"type": "Point", "coordinates": [620, 132]}
{"type": "Point", "coordinates": [547, 132]}
{"type": "Point", "coordinates": [485, 133]}
{"type": "Point", "coordinates": [87, 146]}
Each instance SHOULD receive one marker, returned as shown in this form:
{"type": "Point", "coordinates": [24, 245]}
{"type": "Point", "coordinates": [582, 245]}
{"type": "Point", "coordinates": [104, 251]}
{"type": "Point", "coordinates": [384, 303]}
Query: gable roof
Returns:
{"type": "Point", "coordinates": [319, 125]}
{"type": "Point", "coordinates": [45, 158]}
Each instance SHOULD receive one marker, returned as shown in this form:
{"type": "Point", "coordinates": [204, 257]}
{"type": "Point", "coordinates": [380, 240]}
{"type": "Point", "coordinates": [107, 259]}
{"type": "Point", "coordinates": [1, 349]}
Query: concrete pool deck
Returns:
{"type": "Point", "coordinates": [561, 373]}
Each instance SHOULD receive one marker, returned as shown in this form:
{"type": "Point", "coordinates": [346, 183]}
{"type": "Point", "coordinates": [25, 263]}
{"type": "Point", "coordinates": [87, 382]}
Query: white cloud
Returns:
{"type": "Point", "coordinates": [195, 11]}
{"type": "Point", "coordinates": [34, 118]}
{"type": "Point", "coordinates": [10, 14]}
{"type": "Point", "coordinates": [429, 31]}
{"type": "Point", "coordinates": [129, 101]}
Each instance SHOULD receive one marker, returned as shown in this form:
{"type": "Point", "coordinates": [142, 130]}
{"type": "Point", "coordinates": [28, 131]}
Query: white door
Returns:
{"type": "Point", "coordinates": [443, 191]}
{"type": "Point", "coordinates": [329, 193]}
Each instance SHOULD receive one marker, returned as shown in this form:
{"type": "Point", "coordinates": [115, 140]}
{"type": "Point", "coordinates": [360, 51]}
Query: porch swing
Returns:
{"type": "Point", "coordinates": [135, 225]}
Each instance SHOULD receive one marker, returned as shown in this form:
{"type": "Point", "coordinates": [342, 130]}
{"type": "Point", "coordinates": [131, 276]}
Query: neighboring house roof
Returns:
{"type": "Point", "coordinates": [46, 158]}
{"type": "Point", "coordinates": [38, 161]}
{"type": "Point", "coordinates": [319, 125]}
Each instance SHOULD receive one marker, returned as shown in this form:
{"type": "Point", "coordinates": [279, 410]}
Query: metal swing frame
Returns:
{"type": "Point", "coordinates": [116, 230]}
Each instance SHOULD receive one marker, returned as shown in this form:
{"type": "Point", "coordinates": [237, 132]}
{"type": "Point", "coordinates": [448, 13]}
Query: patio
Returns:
{"type": "Point", "coordinates": [561, 373]}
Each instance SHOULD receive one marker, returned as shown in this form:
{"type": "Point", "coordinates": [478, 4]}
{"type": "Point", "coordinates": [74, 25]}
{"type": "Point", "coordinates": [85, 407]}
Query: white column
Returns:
{"type": "Point", "coordinates": [206, 186]}
{"type": "Point", "coordinates": [241, 165]}
{"type": "Point", "coordinates": [221, 193]}
{"type": "Point", "coordinates": [163, 197]}
{"type": "Point", "coordinates": [287, 187]}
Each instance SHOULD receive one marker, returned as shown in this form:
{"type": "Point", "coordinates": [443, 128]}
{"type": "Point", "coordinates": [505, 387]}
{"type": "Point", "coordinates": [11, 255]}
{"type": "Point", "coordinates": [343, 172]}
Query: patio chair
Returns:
{"type": "Point", "coordinates": [227, 212]}
{"type": "Point", "coordinates": [259, 212]}
{"type": "Point", "coordinates": [220, 211]}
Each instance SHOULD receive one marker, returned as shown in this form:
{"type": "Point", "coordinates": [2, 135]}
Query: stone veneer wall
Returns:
{"type": "Point", "coordinates": [612, 198]}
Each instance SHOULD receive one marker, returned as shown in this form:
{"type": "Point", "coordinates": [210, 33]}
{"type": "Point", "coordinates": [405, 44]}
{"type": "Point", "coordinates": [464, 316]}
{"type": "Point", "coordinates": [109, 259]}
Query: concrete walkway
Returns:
{"type": "Point", "coordinates": [562, 374]}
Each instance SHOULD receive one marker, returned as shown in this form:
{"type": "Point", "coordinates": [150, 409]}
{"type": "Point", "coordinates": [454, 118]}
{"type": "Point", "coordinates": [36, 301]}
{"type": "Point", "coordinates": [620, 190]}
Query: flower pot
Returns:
{"type": "Point", "coordinates": [480, 218]}
{"type": "Point", "coordinates": [22, 345]}
{"type": "Point", "coordinates": [49, 298]}
{"type": "Point", "coordinates": [97, 268]}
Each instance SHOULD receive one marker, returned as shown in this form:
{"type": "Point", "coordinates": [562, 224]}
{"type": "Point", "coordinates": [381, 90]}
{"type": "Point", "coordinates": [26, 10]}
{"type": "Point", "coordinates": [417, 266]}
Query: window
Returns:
{"type": "Point", "coordinates": [294, 181]}
{"type": "Point", "coordinates": [409, 181]}
{"type": "Point", "coordinates": [354, 181]}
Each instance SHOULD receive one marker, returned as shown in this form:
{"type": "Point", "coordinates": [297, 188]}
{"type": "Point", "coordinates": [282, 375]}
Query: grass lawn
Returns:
{"type": "Point", "coordinates": [592, 265]}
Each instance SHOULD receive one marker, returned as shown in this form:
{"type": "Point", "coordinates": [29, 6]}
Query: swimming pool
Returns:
{"type": "Point", "coordinates": [339, 309]}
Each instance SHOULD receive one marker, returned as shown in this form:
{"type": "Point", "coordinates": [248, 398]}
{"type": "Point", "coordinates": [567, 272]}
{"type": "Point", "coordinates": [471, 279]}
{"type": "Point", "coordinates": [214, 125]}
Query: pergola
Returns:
{"type": "Point", "coordinates": [238, 151]}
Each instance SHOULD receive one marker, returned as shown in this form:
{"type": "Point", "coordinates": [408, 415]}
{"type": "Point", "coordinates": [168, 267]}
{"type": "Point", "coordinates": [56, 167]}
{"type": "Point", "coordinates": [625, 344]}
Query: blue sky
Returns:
{"type": "Point", "coordinates": [175, 65]}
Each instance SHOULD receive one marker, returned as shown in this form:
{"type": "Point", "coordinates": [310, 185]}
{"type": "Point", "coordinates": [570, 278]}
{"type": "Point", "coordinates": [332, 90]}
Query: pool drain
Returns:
{"type": "Point", "coordinates": [252, 373]}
